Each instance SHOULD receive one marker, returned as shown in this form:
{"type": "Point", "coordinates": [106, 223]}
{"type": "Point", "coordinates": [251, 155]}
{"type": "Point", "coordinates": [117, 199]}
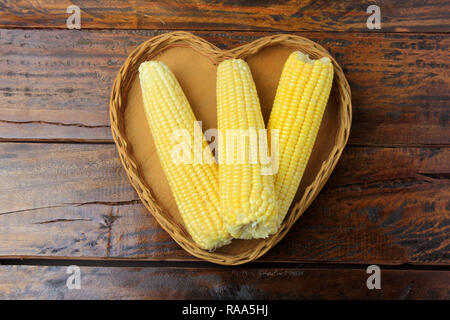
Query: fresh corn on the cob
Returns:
{"type": "Point", "coordinates": [247, 197]}
{"type": "Point", "coordinates": [300, 101]}
{"type": "Point", "coordinates": [194, 184]}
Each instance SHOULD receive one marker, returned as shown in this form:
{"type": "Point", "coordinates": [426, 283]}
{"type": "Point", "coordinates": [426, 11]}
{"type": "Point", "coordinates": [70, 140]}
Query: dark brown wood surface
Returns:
{"type": "Point", "coordinates": [399, 83]}
{"type": "Point", "coordinates": [383, 205]}
{"type": "Point", "coordinates": [225, 283]}
{"type": "Point", "coordinates": [309, 15]}
{"type": "Point", "coordinates": [64, 195]}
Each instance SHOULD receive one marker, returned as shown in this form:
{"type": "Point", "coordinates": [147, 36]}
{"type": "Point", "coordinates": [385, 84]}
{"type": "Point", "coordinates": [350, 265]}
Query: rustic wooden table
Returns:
{"type": "Point", "coordinates": [65, 200]}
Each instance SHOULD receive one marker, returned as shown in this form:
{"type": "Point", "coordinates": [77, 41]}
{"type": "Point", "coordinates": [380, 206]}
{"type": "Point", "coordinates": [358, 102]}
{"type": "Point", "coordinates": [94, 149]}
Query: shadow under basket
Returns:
{"type": "Point", "coordinates": [194, 62]}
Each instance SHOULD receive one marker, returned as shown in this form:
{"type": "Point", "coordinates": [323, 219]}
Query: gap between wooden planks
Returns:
{"type": "Point", "coordinates": [55, 84]}
{"type": "Point", "coordinates": [405, 16]}
{"type": "Point", "coordinates": [381, 205]}
{"type": "Point", "coordinates": [40, 282]}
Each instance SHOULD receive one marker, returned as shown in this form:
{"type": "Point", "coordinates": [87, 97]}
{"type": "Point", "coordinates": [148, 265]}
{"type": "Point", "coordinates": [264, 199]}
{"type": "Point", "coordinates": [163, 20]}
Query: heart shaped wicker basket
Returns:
{"type": "Point", "coordinates": [194, 61]}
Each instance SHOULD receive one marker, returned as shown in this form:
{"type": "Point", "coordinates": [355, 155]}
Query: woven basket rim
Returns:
{"type": "Point", "coordinates": [118, 102]}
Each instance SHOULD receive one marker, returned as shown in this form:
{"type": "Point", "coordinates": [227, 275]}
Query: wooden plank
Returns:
{"type": "Point", "coordinates": [381, 205]}
{"type": "Point", "coordinates": [40, 282]}
{"type": "Point", "coordinates": [55, 84]}
{"type": "Point", "coordinates": [308, 15]}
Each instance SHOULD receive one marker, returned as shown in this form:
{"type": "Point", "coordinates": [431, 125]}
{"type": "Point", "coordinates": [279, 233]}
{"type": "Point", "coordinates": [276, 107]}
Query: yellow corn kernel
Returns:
{"type": "Point", "coordinates": [194, 185]}
{"type": "Point", "coordinates": [247, 196]}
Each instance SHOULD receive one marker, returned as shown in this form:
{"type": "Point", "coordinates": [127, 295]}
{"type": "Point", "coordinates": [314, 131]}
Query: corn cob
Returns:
{"type": "Point", "coordinates": [300, 101]}
{"type": "Point", "coordinates": [247, 197]}
{"type": "Point", "coordinates": [194, 184]}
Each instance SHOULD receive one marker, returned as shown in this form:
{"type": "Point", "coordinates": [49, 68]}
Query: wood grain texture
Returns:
{"type": "Point", "coordinates": [349, 15]}
{"type": "Point", "coordinates": [55, 84]}
{"type": "Point", "coordinates": [381, 205]}
{"type": "Point", "coordinates": [39, 282]}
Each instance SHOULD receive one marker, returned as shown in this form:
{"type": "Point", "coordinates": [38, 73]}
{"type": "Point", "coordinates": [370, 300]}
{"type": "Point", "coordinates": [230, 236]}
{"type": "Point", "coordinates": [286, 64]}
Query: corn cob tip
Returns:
{"type": "Point", "coordinates": [237, 62]}
{"type": "Point", "coordinates": [151, 63]}
{"type": "Point", "coordinates": [146, 64]}
{"type": "Point", "coordinates": [305, 58]}
{"type": "Point", "coordinates": [155, 65]}
{"type": "Point", "coordinates": [261, 228]}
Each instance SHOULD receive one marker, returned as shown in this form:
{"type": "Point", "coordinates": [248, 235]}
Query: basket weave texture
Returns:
{"type": "Point", "coordinates": [118, 103]}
